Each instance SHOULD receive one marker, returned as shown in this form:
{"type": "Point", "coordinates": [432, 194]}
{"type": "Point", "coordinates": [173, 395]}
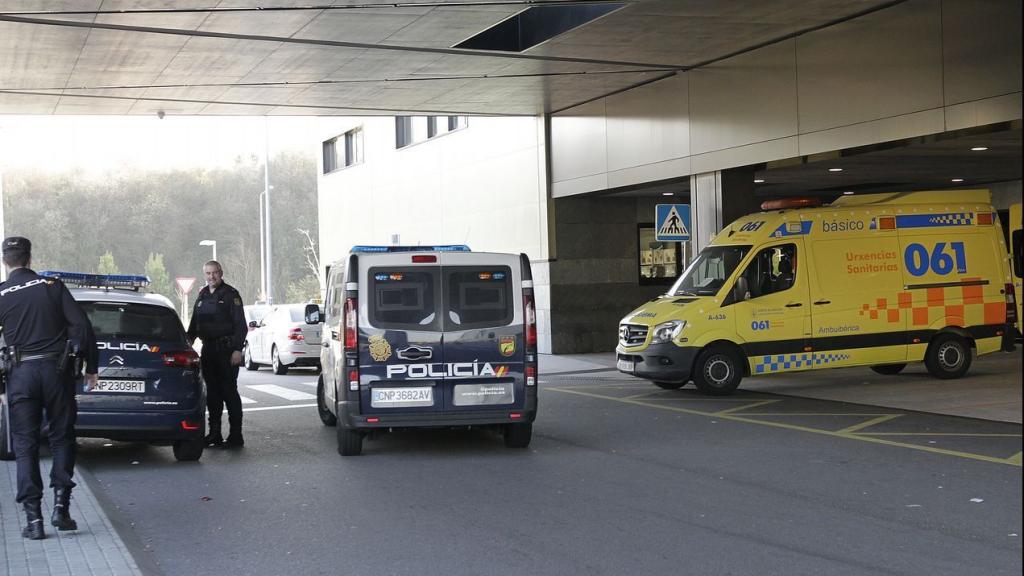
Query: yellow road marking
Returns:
{"type": "Point", "coordinates": [967, 434]}
{"type": "Point", "coordinates": [1012, 461]}
{"type": "Point", "coordinates": [815, 414]}
{"type": "Point", "coordinates": [869, 423]}
{"type": "Point", "coordinates": [748, 406]}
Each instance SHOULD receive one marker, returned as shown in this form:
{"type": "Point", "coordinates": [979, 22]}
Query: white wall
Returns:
{"type": "Point", "coordinates": [920, 67]}
{"type": "Point", "coordinates": [484, 185]}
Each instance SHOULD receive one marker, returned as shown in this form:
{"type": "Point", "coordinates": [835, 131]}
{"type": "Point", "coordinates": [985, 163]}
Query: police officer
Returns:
{"type": "Point", "coordinates": [42, 323]}
{"type": "Point", "coordinates": [219, 321]}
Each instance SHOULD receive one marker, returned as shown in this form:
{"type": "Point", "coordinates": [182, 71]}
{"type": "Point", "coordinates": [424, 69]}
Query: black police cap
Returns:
{"type": "Point", "coordinates": [17, 244]}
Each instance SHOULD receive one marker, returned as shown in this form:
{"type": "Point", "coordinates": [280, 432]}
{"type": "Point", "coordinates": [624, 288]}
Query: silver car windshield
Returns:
{"type": "Point", "coordinates": [708, 272]}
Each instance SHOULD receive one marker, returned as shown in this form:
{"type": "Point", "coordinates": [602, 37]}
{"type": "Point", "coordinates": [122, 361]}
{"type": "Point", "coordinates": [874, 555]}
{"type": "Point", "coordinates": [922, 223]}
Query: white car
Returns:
{"type": "Point", "coordinates": [282, 340]}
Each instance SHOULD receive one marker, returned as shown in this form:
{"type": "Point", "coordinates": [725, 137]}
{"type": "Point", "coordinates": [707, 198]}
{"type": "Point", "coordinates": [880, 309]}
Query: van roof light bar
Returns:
{"type": "Point", "coordinates": [85, 280]}
{"type": "Point", "coordinates": [436, 248]}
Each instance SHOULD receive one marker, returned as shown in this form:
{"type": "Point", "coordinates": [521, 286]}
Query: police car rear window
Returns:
{"type": "Point", "coordinates": [129, 321]}
{"type": "Point", "coordinates": [404, 298]}
{"type": "Point", "coordinates": [478, 296]}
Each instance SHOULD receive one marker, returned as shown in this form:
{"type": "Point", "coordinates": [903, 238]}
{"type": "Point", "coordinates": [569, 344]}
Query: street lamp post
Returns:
{"type": "Point", "coordinates": [212, 243]}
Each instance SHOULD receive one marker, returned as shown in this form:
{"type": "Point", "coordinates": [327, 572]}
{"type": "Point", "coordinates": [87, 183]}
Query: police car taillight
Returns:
{"type": "Point", "coordinates": [184, 358]}
{"type": "Point", "coordinates": [530, 319]}
{"type": "Point", "coordinates": [531, 375]}
{"type": "Point", "coordinates": [296, 335]}
{"type": "Point", "coordinates": [353, 379]}
{"type": "Point", "coordinates": [351, 325]}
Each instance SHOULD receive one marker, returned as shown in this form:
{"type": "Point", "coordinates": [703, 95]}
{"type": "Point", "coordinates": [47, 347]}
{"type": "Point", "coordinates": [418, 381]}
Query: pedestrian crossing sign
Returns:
{"type": "Point", "coordinates": [672, 222]}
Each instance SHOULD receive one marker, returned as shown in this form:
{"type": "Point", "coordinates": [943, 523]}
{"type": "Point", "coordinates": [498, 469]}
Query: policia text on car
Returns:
{"type": "Point", "coordinates": [42, 326]}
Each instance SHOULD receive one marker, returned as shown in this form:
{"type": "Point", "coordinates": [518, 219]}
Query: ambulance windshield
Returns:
{"type": "Point", "coordinates": [709, 271]}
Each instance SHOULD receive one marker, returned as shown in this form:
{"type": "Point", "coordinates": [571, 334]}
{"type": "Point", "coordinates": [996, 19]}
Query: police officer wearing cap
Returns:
{"type": "Point", "coordinates": [218, 320]}
{"type": "Point", "coordinates": [42, 324]}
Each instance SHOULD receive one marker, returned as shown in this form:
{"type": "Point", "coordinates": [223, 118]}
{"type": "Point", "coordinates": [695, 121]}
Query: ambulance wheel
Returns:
{"type": "Point", "coordinates": [321, 405]}
{"type": "Point", "coordinates": [518, 435]}
{"type": "Point", "coordinates": [948, 357]}
{"type": "Point", "coordinates": [249, 364]}
{"type": "Point", "coordinates": [718, 371]}
{"type": "Point", "coordinates": [275, 362]}
{"type": "Point", "coordinates": [350, 442]}
{"type": "Point", "coordinates": [889, 369]}
{"type": "Point", "coordinates": [6, 451]}
{"type": "Point", "coordinates": [670, 385]}
{"type": "Point", "coordinates": [189, 450]}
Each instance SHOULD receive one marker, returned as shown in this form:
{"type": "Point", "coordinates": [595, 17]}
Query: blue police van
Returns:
{"type": "Point", "coordinates": [436, 336]}
{"type": "Point", "coordinates": [150, 387]}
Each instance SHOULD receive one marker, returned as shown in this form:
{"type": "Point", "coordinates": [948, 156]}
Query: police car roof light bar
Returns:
{"type": "Point", "coordinates": [438, 248]}
{"type": "Point", "coordinates": [85, 280]}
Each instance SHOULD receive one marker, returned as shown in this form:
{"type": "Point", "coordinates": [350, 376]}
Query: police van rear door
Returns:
{"type": "Point", "coordinates": [401, 355]}
{"type": "Point", "coordinates": [145, 361]}
{"type": "Point", "coordinates": [483, 341]}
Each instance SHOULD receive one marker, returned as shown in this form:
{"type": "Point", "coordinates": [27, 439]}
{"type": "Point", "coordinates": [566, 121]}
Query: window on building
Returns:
{"type": "Point", "coordinates": [659, 262]}
{"type": "Point", "coordinates": [330, 155]}
{"type": "Point", "coordinates": [350, 152]}
{"type": "Point", "coordinates": [354, 147]}
{"type": "Point", "coordinates": [403, 131]}
{"type": "Point", "coordinates": [414, 129]}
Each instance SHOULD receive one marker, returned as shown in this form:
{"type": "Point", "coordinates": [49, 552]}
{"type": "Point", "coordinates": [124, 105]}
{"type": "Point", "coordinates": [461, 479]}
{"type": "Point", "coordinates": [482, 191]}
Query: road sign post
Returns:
{"type": "Point", "coordinates": [184, 284]}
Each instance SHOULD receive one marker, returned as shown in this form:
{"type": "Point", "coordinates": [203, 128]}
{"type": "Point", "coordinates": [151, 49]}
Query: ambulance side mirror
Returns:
{"type": "Point", "coordinates": [313, 315]}
{"type": "Point", "coordinates": [741, 291]}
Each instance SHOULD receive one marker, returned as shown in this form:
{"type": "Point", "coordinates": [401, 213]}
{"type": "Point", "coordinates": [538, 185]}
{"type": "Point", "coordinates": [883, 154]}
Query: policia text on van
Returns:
{"type": "Point", "coordinates": [427, 337]}
{"type": "Point", "coordinates": [878, 280]}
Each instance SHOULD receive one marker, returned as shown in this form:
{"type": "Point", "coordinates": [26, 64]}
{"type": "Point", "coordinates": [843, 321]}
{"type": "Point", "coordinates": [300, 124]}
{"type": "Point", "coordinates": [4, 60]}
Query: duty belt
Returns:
{"type": "Point", "coordinates": [46, 356]}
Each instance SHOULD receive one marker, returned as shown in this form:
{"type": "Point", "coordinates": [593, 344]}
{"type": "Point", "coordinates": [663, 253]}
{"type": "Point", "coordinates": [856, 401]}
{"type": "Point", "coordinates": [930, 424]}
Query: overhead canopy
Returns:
{"type": "Point", "coordinates": [351, 57]}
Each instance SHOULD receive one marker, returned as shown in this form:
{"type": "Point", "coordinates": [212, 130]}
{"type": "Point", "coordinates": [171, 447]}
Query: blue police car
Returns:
{"type": "Point", "coordinates": [150, 386]}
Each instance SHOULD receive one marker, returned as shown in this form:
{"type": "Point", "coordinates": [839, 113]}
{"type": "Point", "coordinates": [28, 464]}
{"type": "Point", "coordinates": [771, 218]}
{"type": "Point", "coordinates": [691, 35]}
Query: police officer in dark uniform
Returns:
{"type": "Point", "coordinates": [219, 321]}
{"type": "Point", "coordinates": [42, 326]}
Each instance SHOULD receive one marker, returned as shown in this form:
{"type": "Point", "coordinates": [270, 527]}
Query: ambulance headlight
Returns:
{"type": "Point", "coordinates": [667, 331]}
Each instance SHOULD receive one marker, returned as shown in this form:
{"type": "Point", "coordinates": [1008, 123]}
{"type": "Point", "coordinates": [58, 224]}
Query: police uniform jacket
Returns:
{"type": "Point", "coordinates": [39, 316]}
{"type": "Point", "coordinates": [218, 317]}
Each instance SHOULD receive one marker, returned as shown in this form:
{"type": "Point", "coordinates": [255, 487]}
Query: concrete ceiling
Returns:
{"type": "Point", "coordinates": [352, 57]}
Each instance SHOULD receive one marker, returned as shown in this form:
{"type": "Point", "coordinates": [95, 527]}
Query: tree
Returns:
{"type": "Point", "coordinates": [107, 264]}
{"type": "Point", "coordinates": [304, 290]}
{"type": "Point", "coordinates": [159, 281]}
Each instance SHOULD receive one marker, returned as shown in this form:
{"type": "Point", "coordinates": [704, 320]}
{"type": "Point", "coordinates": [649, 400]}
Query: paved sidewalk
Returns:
{"type": "Point", "coordinates": [94, 549]}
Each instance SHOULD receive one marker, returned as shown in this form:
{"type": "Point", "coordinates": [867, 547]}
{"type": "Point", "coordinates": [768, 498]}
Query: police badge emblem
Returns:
{"type": "Point", "coordinates": [380, 350]}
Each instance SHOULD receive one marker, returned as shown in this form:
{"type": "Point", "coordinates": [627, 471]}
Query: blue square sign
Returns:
{"type": "Point", "coordinates": [672, 222]}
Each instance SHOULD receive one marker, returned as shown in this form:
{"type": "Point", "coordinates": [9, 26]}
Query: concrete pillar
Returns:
{"type": "Point", "coordinates": [718, 198]}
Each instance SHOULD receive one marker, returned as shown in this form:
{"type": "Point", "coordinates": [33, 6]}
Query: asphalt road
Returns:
{"type": "Point", "coordinates": [621, 478]}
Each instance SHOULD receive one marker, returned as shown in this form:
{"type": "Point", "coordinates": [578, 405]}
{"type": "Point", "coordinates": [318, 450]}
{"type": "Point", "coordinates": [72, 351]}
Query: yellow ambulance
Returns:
{"type": "Point", "coordinates": [875, 280]}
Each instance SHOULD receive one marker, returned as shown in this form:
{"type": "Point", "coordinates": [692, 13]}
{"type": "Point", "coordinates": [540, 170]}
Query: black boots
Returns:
{"type": "Point", "coordinates": [235, 439]}
{"type": "Point", "coordinates": [214, 438]}
{"type": "Point", "coordinates": [34, 520]}
{"type": "Point", "coordinates": [61, 518]}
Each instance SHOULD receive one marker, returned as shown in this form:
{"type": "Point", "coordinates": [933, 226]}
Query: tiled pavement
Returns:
{"type": "Point", "coordinates": [94, 549]}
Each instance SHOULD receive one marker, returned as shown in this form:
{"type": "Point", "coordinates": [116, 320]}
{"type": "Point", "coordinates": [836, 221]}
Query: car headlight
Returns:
{"type": "Point", "coordinates": [667, 331]}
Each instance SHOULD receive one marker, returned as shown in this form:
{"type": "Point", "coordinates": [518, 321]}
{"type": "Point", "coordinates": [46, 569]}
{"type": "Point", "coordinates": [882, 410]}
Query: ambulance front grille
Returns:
{"type": "Point", "coordinates": [632, 334]}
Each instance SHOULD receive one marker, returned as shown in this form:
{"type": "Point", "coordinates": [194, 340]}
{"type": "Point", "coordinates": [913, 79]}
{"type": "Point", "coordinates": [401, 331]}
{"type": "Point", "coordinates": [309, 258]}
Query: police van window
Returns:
{"type": "Point", "coordinates": [478, 296]}
{"type": "Point", "coordinates": [709, 271]}
{"type": "Point", "coordinates": [772, 270]}
{"type": "Point", "coordinates": [404, 298]}
{"type": "Point", "coordinates": [336, 289]}
{"type": "Point", "coordinates": [141, 323]}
